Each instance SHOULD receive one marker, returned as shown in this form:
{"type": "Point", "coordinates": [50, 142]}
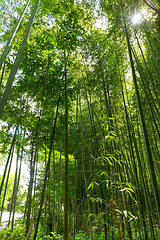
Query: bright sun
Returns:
{"type": "Point", "coordinates": [140, 16]}
{"type": "Point", "coordinates": [137, 18]}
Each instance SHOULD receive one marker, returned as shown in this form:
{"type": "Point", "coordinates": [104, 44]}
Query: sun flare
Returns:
{"type": "Point", "coordinates": [137, 18]}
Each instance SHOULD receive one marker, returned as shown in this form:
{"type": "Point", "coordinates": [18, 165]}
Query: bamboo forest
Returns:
{"type": "Point", "coordinates": [80, 119]}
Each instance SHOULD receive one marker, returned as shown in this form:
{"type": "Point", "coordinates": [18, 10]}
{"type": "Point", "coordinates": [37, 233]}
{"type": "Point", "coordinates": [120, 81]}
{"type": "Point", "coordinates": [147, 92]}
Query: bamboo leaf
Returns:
{"type": "Point", "coordinates": [91, 185]}
{"type": "Point", "coordinates": [129, 189]}
{"type": "Point", "coordinates": [109, 161]}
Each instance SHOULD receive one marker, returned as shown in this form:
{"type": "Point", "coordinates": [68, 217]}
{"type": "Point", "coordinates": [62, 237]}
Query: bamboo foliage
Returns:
{"type": "Point", "coordinates": [6, 50]}
{"type": "Point", "coordinates": [148, 149]}
{"type": "Point", "coordinates": [100, 180]}
{"type": "Point", "coordinates": [17, 61]}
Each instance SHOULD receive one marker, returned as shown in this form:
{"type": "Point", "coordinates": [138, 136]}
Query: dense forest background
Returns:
{"type": "Point", "coordinates": [80, 119]}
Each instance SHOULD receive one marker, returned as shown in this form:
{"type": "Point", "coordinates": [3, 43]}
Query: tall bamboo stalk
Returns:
{"type": "Point", "coordinates": [6, 50]}
{"type": "Point", "coordinates": [144, 129]}
{"type": "Point", "coordinates": [6, 184]}
{"type": "Point", "coordinates": [66, 227]}
{"type": "Point", "coordinates": [6, 166]}
{"type": "Point", "coordinates": [14, 190]}
{"type": "Point", "coordinates": [46, 171]}
{"type": "Point", "coordinates": [17, 62]}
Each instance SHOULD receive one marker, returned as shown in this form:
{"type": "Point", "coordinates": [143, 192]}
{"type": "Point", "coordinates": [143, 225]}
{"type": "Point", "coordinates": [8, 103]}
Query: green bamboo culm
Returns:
{"type": "Point", "coordinates": [46, 172]}
{"type": "Point", "coordinates": [149, 97]}
{"type": "Point", "coordinates": [132, 141]}
{"type": "Point", "coordinates": [144, 129]}
{"type": "Point", "coordinates": [17, 62]}
{"type": "Point", "coordinates": [6, 49]}
{"type": "Point", "coordinates": [148, 71]}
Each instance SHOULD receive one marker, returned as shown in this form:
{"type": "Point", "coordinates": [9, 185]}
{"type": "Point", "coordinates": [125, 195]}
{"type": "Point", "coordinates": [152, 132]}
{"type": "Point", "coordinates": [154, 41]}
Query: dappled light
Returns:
{"type": "Point", "coordinates": [137, 18]}
{"type": "Point", "coordinates": [79, 120]}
